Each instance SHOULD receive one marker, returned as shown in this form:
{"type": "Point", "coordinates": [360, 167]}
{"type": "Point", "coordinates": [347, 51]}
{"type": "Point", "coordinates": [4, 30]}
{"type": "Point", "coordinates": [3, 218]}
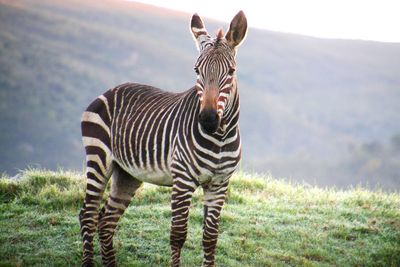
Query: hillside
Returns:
{"type": "Point", "coordinates": [323, 111]}
{"type": "Point", "coordinates": [266, 222]}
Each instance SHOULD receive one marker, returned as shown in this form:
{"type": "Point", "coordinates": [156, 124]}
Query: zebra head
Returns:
{"type": "Point", "coordinates": [215, 69]}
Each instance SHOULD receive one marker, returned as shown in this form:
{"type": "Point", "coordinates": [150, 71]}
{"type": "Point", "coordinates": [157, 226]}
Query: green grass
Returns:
{"type": "Point", "coordinates": [265, 222]}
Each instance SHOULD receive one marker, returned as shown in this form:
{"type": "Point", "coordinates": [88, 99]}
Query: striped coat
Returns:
{"type": "Point", "coordinates": [137, 133]}
{"type": "Point", "coordinates": [148, 132]}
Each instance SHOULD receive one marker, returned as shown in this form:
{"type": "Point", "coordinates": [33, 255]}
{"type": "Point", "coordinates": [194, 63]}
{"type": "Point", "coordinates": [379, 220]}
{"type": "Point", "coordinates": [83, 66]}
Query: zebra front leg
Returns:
{"type": "Point", "coordinates": [214, 199]}
{"type": "Point", "coordinates": [123, 187]}
{"type": "Point", "coordinates": [182, 191]}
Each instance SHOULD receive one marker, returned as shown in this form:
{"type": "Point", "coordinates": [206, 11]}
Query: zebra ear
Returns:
{"type": "Point", "coordinates": [237, 30]}
{"type": "Point", "coordinates": [198, 30]}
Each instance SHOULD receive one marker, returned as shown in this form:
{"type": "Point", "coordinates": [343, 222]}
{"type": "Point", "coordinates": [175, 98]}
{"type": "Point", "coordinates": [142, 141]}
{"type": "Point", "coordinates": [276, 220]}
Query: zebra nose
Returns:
{"type": "Point", "coordinates": [209, 120]}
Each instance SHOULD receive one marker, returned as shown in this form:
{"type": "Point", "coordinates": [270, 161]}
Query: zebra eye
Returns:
{"type": "Point", "coordinates": [196, 69]}
{"type": "Point", "coordinates": [231, 71]}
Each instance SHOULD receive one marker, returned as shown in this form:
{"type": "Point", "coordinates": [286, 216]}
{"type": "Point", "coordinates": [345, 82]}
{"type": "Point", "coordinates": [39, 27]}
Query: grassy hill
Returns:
{"type": "Point", "coordinates": [323, 111]}
{"type": "Point", "coordinates": [265, 222]}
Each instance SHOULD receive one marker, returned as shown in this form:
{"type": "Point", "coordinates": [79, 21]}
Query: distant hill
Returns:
{"type": "Point", "coordinates": [323, 111]}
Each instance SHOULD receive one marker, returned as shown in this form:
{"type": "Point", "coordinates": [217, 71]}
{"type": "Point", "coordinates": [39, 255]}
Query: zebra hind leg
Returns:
{"type": "Point", "coordinates": [123, 188]}
{"type": "Point", "coordinates": [97, 178]}
{"type": "Point", "coordinates": [99, 166]}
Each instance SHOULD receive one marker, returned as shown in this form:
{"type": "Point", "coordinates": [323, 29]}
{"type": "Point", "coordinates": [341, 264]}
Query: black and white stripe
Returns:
{"type": "Point", "coordinates": [138, 133]}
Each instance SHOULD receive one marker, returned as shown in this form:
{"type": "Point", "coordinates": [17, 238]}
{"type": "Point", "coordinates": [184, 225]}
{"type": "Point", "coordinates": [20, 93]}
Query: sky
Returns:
{"type": "Point", "coordinates": [377, 20]}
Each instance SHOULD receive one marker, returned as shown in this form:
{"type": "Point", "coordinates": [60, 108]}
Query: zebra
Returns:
{"type": "Point", "coordinates": [138, 133]}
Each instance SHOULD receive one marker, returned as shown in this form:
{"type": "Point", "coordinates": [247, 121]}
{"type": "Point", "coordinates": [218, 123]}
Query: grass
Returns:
{"type": "Point", "coordinates": [265, 222]}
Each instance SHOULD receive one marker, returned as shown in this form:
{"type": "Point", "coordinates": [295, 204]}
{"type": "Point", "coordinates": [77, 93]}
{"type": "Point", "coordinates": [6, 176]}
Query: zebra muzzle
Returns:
{"type": "Point", "coordinates": [209, 120]}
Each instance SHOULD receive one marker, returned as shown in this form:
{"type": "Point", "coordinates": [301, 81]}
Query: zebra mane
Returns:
{"type": "Point", "coordinates": [220, 34]}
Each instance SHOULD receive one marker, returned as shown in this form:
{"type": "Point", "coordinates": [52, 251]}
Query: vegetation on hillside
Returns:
{"type": "Point", "coordinates": [265, 222]}
{"type": "Point", "coordinates": [325, 111]}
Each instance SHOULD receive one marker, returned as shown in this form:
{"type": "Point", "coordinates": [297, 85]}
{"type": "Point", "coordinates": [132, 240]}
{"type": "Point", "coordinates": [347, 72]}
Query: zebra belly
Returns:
{"type": "Point", "coordinates": [157, 177]}
{"type": "Point", "coordinates": [218, 176]}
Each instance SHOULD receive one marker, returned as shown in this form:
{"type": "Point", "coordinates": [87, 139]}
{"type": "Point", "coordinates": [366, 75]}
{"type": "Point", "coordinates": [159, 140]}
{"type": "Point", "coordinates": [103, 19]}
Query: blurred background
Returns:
{"type": "Point", "coordinates": [321, 111]}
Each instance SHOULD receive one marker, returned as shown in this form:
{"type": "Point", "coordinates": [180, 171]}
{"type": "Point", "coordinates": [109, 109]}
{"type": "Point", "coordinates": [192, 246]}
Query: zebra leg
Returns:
{"type": "Point", "coordinates": [97, 177]}
{"type": "Point", "coordinates": [182, 192]}
{"type": "Point", "coordinates": [99, 166]}
{"type": "Point", "coordinates": [214, 198]}
{"type": "Point", "coordinates": [123, 187]}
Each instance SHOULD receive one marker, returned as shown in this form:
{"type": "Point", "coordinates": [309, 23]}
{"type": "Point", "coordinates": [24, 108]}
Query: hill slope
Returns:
{"type": "Point", "coordinates": [265, 222]}
{"type": "Point", "coordinates": [325, 111]}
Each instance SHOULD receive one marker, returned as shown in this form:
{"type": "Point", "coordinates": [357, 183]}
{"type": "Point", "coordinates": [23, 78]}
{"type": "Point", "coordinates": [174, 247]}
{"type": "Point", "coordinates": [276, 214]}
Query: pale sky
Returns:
{"type": "Point", "coordinates": [377, 20]}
